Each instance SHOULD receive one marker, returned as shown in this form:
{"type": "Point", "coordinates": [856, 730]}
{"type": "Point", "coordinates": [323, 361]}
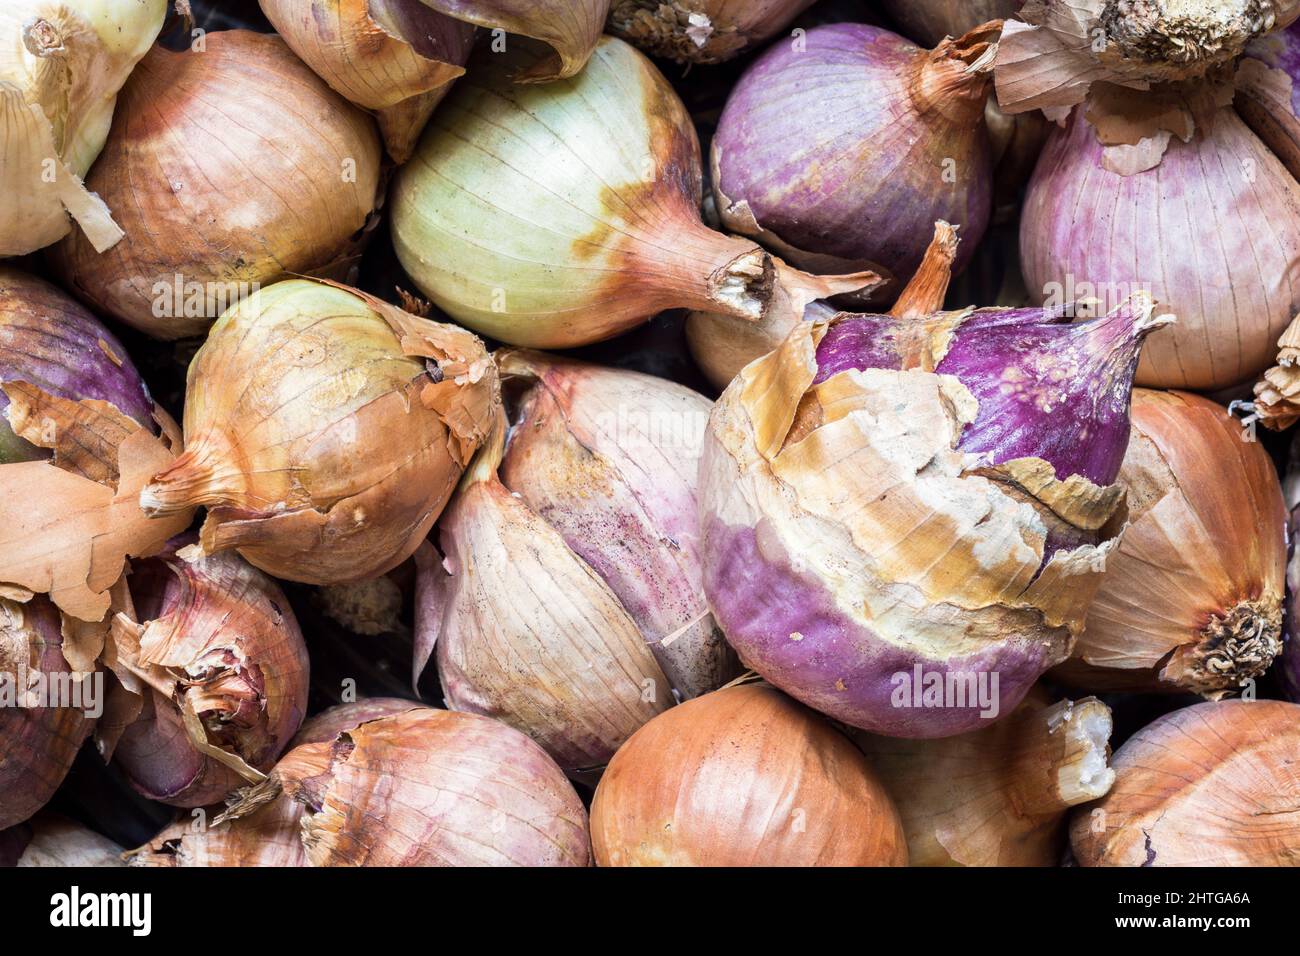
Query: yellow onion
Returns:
{"type": "Point", "coordinates": [221, 668]}
{"type": "Point", "coordinates": [1192, 598]}
{"type": "Point", "coordinates": [997, 796]}
{"type": "Point", "coordinates": [62, 63]}
{"type": "Point", "coordinates": [41, 725]}
{"type": "Point", "coordinates": [325, 430]}
{"type": "Point", "coordinates": [743, 777]}
{"type": "Point", "coordinates": [701, 31]}
{"type": "Point", "coordinates": [1216, 784]}
{"type": "Point", "coordinates": [558, 215]}
{"type": "Point", "coordinates": [427, 788]}
{"type": "Point", "coordinates": [52, 840]}
{"type": "Point", "coordinates": [395, 57]}
{"type": "Point", "coordinates": [228, 168]}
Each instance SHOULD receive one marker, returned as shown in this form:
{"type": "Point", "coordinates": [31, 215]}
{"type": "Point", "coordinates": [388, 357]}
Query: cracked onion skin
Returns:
{"type": "Point", "coordinates": [1215, 784]}
{"type": "Point", "coordinates": [228, 169]}
{"type": "Point", "coordinates": [325, 430]}
{"type": "Point", "coordinates": [1192, 598]}
{"type": "Point", "coordinates": [1212, 232]}
{"type": "Point", "coordinates": [743, 776]}
{"type": "Point", "coordinates": [38, 743]}
{"type": "Point", "coordinates": [701, 31]}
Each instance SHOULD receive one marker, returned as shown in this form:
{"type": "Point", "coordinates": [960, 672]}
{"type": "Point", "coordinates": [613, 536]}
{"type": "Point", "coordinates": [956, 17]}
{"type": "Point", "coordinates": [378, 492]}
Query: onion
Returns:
{"type": "Point", "coordinates": [1216, 784]}
{"type": "Point", "coordinates": [1289, 669]}
{"type": "Point", "coordinates": [701, 31]}
{"type": "Point", "coordinates": [929, 21]}
{"type": "Point", "coordinates": [62, 63]}
{"type": "Point", "coordinates": [341, 718]}
{"type": "Point", "coordinates": [1192, 598]}
{"type": "Point", "coordinates": [221, 668]}
{"type": "Point", "coordinates": [897, 504]}
{"type": "Point", "coordinates": [395, 57]}
{"type": "Point", "coordinates": [565, 214]}
{"type": "Point", "coordinates": [1213, 232]}
{"type": "Point", "coordinates": [841, 150]}
{"type": "Point", "coordinates": [1016, 781]}
{"type": "Point", "coordinates": [215, 207]}
{"type": "Point", "coordinates": [325, 429]}
{"type": "Point", "coordinates": [743, 777]}
{"type": "Point", "coordinates": [42, 734]}
{"type": "Point", "coordinates": [52, 840]}
{"type": "Point", "coordinates": [428, 788]}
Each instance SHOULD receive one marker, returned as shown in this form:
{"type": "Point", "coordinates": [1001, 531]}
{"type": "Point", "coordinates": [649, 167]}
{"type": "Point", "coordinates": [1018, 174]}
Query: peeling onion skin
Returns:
{"type": "Point", "coordinates": [701, 31]}
{"type": "Point", "coordinates": [52, 840]}
{"type": "Point", "coordinates": [328, 724]}
{"type": "Point", "coordinates": [226, 206]}
{"type": "Point", "coordinates": [895, 124]}
{"type": "Point", "coordinates": [929, 21]}
{"type": "Point", "coordinates": [1192, 598]}
{"type": "Point", "coordinates": [226, 633]}
{"type": "Point", "coordinates": [50, 341]}
{"type": "Point", "coordinates": [743, 777]}
{"type": "Point", "coordinates": [1215, 784]}
{"type": "Point", "coordinates": [37, 744]}
{"type": "Point", "coordinates": [1220, 251]}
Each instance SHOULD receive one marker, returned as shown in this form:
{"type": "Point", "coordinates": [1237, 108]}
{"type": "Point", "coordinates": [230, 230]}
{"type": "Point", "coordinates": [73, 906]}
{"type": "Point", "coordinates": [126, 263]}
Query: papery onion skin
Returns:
{"type": "Point", "coordinates": [701, 31]}
{"type": "Point", "coordinates": [324, 452]}
{"type": "Point", "coordinates": [900, 142]}
{"type": "Point", "coordinates": [1192, 598]}
{"type": "Point", "coordinates": [1212, 232]}
{"type": "Point", "coordinates": [39, 742]}
{"type": "Point", "coordinates": [929, 21]}
{"type": "Point", "coordinates": [328, 724]}
{"type": "Point", "coordinates": [214, 207]}
{"type": "Point", "coordinates": [743, 777]}
{"type": "Point", "coordinates": [51, 840]}
{"type": "Point", "coordinates": [50, 341]}
{"type": "Point", "coordinates": [1215, 784]}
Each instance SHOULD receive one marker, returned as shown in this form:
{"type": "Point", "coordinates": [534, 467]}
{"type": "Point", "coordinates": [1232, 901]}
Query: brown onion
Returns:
{"type": "Point", "coordinates": [227, 168]}
{"type": "Point", "coordinates": [701, 31]}
{"type": "Point", "coordinates": [743, 777]}
{"type": "Point", "coordinates": [929, 21]}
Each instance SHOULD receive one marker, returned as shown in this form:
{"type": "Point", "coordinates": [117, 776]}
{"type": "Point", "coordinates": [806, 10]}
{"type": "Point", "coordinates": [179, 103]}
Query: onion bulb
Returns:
{"type": "Point", "coordinates": [743, 777]}
{"type": "Point", "coordinates": [1213, 232]}
{"type": "Point", "coordinates": [1216, 784]}
{"type": "Point", "coordinates": [1192, 597]}
{"type": "Point", "coordinates": [701, 31]}
{"type": "Point", "coordinates": [62, 63]}
{"type": "Point", "coordinates": [395, 57]}
{"type": "Point", "coordinates": [840, 150]}
{"type": "Point", "coordinates": [228, 168]}
{"type": "Point", "coordinates": [997, 796]}
{"type": "Point", "coordinates": [929, 21]}
{"type": "Point", "coordinates": [325, 430]}
{"type": "Point", "coordinates": [559, 215]}
{"type": "Point", "coordinates": [905, 517]}
{"type": "Point", "coordinates": [51, 840]}
{"type": "Point", "coordinates": [1290, 663]}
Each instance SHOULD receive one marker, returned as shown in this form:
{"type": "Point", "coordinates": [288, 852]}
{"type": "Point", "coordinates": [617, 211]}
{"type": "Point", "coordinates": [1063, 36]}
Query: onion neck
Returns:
{"type": "Point", "coordinates": [694, 267]}
{"type": "Point", "coordinates": [1062, 762]}
{"type": "Point", "coordinates": [200, 475]}
{"type": "Point", "coordinates": [926, 291]}
{"type": "Point", "coordinates": [953, 80]}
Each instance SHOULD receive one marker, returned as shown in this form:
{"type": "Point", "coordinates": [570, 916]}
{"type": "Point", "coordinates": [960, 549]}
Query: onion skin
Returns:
{"type": "Point", "coordinates": [743, 777]}
{"type": "Point", "coordinates": [701, 31]}
{"type": "Point", "coordinates": [1215, 784]}
{"type": "Point", "coordinates": [284, 190]}
{"type": "Point", "coordinates": [39, 743]}
{"type": "Point", "coordinates": [1228, 268]}
{"type": "Point", "coordinates": [330, 462]}
{"type": "Point", "coordinates": [48, 340]}
{"type": "Point", "coordinates": [1192, 598]}
{"type": "Point", "coordinates": [838, 204]}
{"type": "Point", "coordinates": [929, 21]}
{"type": "Point", "coordinates": [341, 718]}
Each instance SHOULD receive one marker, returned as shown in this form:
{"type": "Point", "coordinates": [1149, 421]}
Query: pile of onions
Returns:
{"type": "Point", "coordinates": [929, 21]}
{"type": "Point", "coordinates": [701, 31]}
{"type": "Point", "coordinates": [1192, 597]}
{"type": "Point", "coordinates": [899, 142]}
{"type": "Point", "coordinates": [568, 601]}
{"type": "Point", "coordinates": [743, 777]}
{"type": "Point", "coordinates": [325, 430]}
{"type": "Point", "coordinates": [62, 63]}
{"type": "Point", "coordinates": [214, 207]}
{"type": "Point", "coordinates": [897, 504]}
{"type": "Point", "coordinates": [1216, 784]}
{"type": "Point", "coordinates": [559, 215]}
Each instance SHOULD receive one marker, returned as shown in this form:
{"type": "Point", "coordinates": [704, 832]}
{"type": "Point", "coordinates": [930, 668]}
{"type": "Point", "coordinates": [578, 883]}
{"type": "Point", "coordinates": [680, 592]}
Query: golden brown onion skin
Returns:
{"type": "Point", "coordinates": [744, 776]}
{"type": "Point", "coordinates": [226, 168]}
{"type": "Point", "coordinates": [1192, 599]}
{"type": "Point", "coordinates": [1215, 784]}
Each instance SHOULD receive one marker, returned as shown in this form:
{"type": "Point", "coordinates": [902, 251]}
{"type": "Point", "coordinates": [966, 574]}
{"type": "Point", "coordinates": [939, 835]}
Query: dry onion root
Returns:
{"type": "Point", "coordinates": [325, 430]}
{"type": "Point", "coordinates": [743, 777]}
{"type": "Point", "coordinates": [701, 31]}
{"type": "Point", "coordinates": [1216, 784]}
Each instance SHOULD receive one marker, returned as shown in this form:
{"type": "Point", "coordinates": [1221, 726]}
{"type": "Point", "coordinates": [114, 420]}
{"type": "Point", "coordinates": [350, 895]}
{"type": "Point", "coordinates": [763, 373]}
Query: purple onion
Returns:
{"type": "Point", "coordinates": [1289, 661]}
{"type": "Point", "coordinates": [840, 148]}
